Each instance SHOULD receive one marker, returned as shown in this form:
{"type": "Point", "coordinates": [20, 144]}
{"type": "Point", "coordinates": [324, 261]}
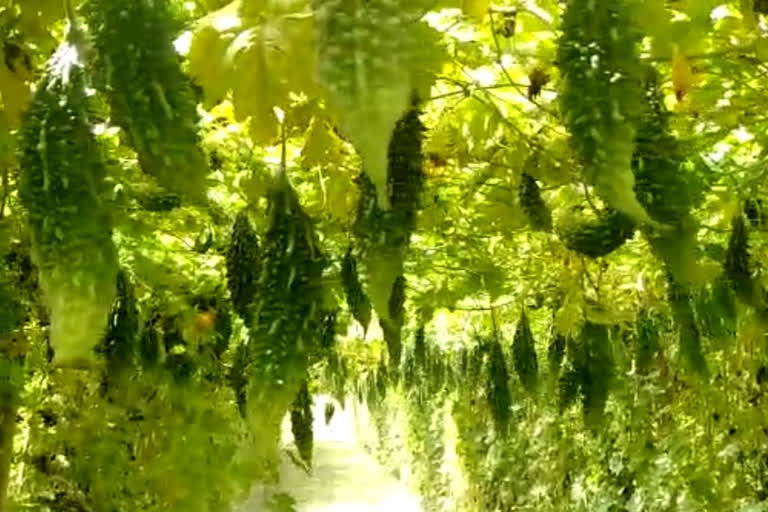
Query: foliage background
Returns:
{"type": "Point", "coordinates": [669, 439]}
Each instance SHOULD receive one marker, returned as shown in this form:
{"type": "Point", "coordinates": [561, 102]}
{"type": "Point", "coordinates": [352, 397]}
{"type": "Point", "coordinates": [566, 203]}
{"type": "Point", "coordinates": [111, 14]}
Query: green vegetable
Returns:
{"type": "Point", "coordinates": [691, 352]}
{"type": "Point", "coordinates": [648, 344]}
{"type": "Point", "coordinates": [384, 235]}
{"type": "Point", "coordinates": [222, 328]}
{"type": "Point", "coordinates": [120, 344]}
{"type": "Point", "coordinates": [357, 300]}
{"type": "Point", "coordinates": [524, 355]}
{"type": "Point", "coordinates": [11, 311]}
{"type": "Point", "coordinates": [737, 265]}
{"type": "Point", "coordinates": [159, 202]}
{"type": "Point", "coordinates": [150, 351]}
{"type": "Point", "coordinates": [243, 268]}
{"type": "Point", "coordinates": [301, 423]}
{"type": "Point", "coordinates": [533, 205]}
{"type": "Point", "coordinates": [568, 388]}
{"type": "Point", "coordinates": [181, 366]}
{"type": "Point", "coordinates": [497, 387]}
{"type": "Point", "coordinates": [597, 373]}
{"type": "Point", "coordinates": [598, 236]}
{"type": "Point", "coordinates": [601, 96]}
{"type": "Point", "coordinates": [63, 189]}
{"type": "Point", "coordinates": [556, 353]}
{"type": "Point", "coordinates": [420, 348]}
{"type": "Point", "coordinates": [150, 97]}
{"type": "Point", "coordinates": [666, 189]}
{"type": "Point", "coordinates": [288, 315]}
{"type": "Point", "coordinates": [716, 310]}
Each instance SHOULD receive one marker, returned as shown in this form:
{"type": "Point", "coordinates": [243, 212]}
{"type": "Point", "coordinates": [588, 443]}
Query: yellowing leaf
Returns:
{"type": "Point", "coordinates": [14, 95]}
{"type": "Point", "coordinates": [475, 8]}
{"type": "Point", "coordinates": [341, 196]}
{"type": "Point", "coordinates": [682, 74]}
{"type": "Point", "coordinates": [321, 145]}
{"type": "Point", "coordinates": [206, 63]}
{"type": "Point", "coordinates": [262, 49]}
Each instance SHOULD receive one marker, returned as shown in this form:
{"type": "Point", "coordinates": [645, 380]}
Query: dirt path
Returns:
{"type": "Point", "coordinates": [345, 478]}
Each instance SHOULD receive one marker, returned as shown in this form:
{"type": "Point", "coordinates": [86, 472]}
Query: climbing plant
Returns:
{"type": "Point", "coordinates": [527, 236]}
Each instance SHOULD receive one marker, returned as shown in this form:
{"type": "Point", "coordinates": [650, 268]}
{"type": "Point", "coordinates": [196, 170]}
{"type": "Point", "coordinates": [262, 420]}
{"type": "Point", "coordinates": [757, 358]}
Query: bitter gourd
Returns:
{"type": "Point", "coordinates": [357, 300]}
{"type": "Point", "coordinates": [598, 372]}
{"type": "Point", "coordinates": [648, 344]}
{"type": "Point", "coordinates": [497, 387]}
{"type": "Point", "coordinates": [737, 262]}
{"type": "Point", "coordinates": [601, 96]}
{"type": "Point", "coordinates": [63, 189]}
{"type": "Point", "coordinates": [690, 349]}
{"type": "Point", "coordinates": [596, 237]}
{"type": "Point", "coordinates": [384, 235]}
{"type": "Point", "coordinates": [534, 207]}
{"type": "Point", "coordinates": [288, 315]}
{"type": "Point", "coordinates": [242, 262]}
{"type": "Point", "coordinates": [524, 355]}
{"type": "Point", "coordinates": [149, 95]}
{"type": "Point", "coordinates": [369, 54]}
{"type": "Point", "coordinates": [301, 423]}
{"type": "Point", "coordinates": [120, 343]}
{"type": "Point", "coordinates": [665, 188]}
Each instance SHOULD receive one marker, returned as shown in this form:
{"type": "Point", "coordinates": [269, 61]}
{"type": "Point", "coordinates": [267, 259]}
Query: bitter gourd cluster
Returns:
{"type": "Point", "coordinates": [384, 236]}
{"type": "Point", "coordinates": [368, 55]}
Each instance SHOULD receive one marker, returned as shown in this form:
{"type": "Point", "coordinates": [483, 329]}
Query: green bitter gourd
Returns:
{"type": "Point", "coordinates": [64, 191]}
{"type": "Point", "coordinates": [150, 97]}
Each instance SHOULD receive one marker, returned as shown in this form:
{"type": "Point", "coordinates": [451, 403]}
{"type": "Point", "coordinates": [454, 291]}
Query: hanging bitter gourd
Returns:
{"type": "Point", "coordinates": [384, 235]}
{"type": "Point", "coordinates": [150, 97]}
{"type": "Point", "coordinates": [596, 236]}
{"type": "Point", "coordinates": [648, 344]}
{"type": "Point", "coordinates": [120, 344]}
{"type": "Point", "coordinates": [242, 263]}
{"type": "Point", "coordinates": [357, 300]}
{"type": "Point", "coordinates": [556, 353]}
{"type": "Point", "coordinates": [369, 55]}
{"type": "Point", "coordinates": [737, 265]}
{"type": "Point", "coordinates": [716, 310]}
{"type": "Point", "coordinates": [150, 350]}
{"type": "Point", "coordinates": [301, 423]}
{"type": "Point", "coordinates": [534, 207]}
{"type": "Point", "coordinates": [288, 314]}
{"type": "Point", "coordinates": [601, 96]}
{"type": "Point", "coordinates": [497, 387]}
{"type": "Point", "coordinates": [598, 372]}
{"type": "Point", "coordinates": [63, 189]}
{"type": "Point", "coordinates": [159, 202]}
{"type": "Point", "coordinates": [11, 310]}
{"type": "Point", "coordinates": [524, 355]}
{"type": "Point", "coordinates": [690, 349]}
{"type": "Point", "coordinates": [666, 188]}
{"type": "Point", "coordinates": [420, 348]}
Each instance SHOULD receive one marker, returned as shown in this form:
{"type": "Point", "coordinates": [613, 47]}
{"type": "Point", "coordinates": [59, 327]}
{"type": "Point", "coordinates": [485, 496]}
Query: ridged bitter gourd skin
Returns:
{"type": "Point", "coordinates": [601, 96]}
{"type": "Point", "coordinates": [150, 97]}
{"type": "Point", "coordinates": [62, 187]}
{"type": "Point", "coordinates": [596, 237]}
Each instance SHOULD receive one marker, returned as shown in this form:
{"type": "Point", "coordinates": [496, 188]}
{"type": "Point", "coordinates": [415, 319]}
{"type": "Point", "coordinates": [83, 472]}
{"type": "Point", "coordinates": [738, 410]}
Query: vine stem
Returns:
{"type": "Point", "coordinates": [491, 308]}
{"type": "Point", "coordinates": [4, 199]}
